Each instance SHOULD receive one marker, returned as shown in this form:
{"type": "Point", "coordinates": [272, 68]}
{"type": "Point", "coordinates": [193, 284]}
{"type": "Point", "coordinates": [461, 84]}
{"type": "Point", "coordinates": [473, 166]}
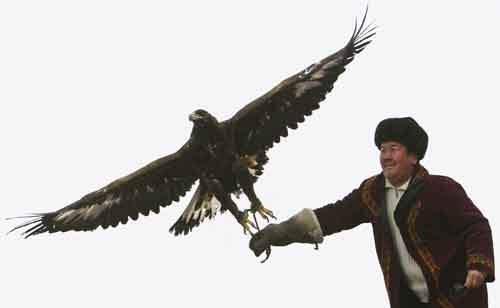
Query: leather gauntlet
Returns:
{"type": "Point", "coordinates": [300, 228]}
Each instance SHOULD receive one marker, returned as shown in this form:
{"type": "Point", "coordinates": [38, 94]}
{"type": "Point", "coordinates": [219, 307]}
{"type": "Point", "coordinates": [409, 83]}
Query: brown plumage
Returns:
{"type": "Point", "coordinates": [225, 157]}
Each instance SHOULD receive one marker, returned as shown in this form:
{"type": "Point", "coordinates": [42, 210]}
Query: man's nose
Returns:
{"type": "Point", "coordinates": [386, 155]}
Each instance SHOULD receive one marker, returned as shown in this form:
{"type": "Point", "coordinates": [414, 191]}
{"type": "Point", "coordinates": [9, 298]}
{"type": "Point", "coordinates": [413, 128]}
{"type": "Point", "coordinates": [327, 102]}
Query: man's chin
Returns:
{"type": "Point", "coordinates": [389, 174]}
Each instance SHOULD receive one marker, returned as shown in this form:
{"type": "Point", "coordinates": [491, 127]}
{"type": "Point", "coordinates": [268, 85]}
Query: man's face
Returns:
{"type": "Point", "coordinates": [397, 164]}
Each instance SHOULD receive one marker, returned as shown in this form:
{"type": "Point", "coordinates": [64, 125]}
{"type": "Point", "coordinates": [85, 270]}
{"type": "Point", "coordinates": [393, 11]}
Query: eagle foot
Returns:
{"type": "Point", "coordinates": [246, 223]}
{"type": "Point", "coordinates": [264, 213]}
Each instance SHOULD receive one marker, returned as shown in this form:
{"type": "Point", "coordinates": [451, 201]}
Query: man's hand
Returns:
{"type": "Point", "coordinates": [474, 279]}
{"type": "Point", "coordinates": [272, 234]}
{"type": "Point", "coordinates": [258, 244]}
{"type": "Point", "coordinates": [303, 227]}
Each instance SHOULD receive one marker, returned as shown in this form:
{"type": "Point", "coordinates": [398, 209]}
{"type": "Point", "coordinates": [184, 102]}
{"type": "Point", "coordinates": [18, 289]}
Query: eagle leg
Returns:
{"type": "Point", "coordinates": [256, 205]}
{"type": "Point", "coordinates": [246, 181]}
{"type": "Point", "coordinates": [215, 186]}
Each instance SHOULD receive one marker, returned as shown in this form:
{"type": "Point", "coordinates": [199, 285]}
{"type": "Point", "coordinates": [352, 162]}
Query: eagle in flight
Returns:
{"type": "Point", "coordinates": [225, 158]}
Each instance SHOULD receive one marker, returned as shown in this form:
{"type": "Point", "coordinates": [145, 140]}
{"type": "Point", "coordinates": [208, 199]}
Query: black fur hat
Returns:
{"type": "Point", "coordinates": [405, 131]}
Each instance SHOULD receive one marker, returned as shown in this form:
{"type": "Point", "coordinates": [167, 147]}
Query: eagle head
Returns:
{"type": "Point", "coordinates": [202, 118]}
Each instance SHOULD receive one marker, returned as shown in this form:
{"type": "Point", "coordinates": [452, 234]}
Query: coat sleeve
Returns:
{"type": "Point", "coordinates": [342, 215]}
{"type": "Point", "coordinates": [469, 223]}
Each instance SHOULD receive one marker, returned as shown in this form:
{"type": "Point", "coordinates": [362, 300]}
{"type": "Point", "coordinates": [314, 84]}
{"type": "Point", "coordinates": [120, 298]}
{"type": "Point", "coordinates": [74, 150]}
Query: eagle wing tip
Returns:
{"type": "Point", "coordinates": [35, 226]}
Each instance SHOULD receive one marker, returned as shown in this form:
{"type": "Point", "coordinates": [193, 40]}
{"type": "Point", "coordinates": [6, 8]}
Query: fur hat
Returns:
{"type": "Point", "coordinates": [405, 131]}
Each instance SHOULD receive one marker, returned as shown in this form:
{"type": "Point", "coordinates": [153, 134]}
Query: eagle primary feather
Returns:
{"type": "Point", "coordinates": [224, 157]}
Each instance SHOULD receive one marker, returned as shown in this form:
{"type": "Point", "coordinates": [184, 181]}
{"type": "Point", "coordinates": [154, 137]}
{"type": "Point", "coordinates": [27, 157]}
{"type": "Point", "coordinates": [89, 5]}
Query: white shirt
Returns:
{"type": "Point", "coordinates": [411, 270]}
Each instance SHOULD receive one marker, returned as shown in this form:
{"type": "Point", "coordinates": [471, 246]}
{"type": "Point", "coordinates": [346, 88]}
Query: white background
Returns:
{"type": "Point", "coordinates": [92, 90]}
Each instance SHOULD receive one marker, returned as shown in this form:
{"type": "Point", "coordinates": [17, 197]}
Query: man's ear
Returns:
{"type": "Point", "coordinates": [413, 158]}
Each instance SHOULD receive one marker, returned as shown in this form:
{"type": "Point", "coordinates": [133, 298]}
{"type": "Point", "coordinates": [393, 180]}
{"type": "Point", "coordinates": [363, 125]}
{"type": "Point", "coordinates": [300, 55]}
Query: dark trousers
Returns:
{"type": "Point", "coordinates": [408, 299]}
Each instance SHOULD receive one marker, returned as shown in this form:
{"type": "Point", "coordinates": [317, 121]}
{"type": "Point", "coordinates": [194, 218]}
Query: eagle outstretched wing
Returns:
{"type": "Point", "coordinates": [252, 130]}
{"type": "Point", "coordinates": [262, 122]}
{"type": "Point", "coordinates": [156, 185]}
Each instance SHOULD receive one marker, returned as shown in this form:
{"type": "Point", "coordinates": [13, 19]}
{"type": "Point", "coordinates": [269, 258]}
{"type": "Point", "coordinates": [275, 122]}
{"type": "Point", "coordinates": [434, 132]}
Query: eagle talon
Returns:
{"type": "Point", "coordinates": [268, 254]}
{"type": "Point", "coordinates": [247, 224]}
{"type": "Point", "coordinates": [264, 213]}
{"type": "Point", "coordinates": [255, 220]}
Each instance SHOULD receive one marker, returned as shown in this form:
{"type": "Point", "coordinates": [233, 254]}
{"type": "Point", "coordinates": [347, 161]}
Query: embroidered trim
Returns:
{"type": "Point", "coordinates": [480, 259]}
{"type": "Point", "coordinates": [423, 251]}
{"type": "Point", "coordinates": [366, 195]}
{"type": "Point", "coordinates": [422, 172]}
{"type": "Point", "coordinates": [426, 256]}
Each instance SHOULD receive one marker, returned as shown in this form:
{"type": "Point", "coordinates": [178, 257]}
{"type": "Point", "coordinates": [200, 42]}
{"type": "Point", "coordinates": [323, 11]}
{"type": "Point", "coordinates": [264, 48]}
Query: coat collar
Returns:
{"type": "Point", "coordinates": [408, 199]}
{"type": "Point", "coordinates": [402, 187]}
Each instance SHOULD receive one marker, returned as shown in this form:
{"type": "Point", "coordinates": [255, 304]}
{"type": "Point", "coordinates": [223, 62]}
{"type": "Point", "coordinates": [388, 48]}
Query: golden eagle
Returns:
{"type": "Point", "coordinates": [224, 157]}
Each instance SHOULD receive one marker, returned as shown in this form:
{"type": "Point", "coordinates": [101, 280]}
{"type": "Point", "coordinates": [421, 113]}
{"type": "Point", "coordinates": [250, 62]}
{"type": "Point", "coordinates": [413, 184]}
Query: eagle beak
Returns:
{"type": "Point", "coordinates": [193, 117]}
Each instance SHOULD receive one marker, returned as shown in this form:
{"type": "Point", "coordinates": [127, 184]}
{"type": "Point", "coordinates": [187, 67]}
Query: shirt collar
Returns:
{"type": "Point", "coordinates": [404, 186]}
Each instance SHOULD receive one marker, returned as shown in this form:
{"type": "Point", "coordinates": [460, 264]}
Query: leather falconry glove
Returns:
{"type": "Point", "coordinates": [300, 228]}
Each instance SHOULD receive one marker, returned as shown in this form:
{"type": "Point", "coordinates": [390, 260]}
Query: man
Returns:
{"type": "Point", "coordinates": [434, 246]}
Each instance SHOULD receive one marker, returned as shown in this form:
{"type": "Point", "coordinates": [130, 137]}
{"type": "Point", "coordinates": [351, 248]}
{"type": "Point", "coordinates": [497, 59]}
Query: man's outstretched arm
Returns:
{"type": "Point", "coordinates": [309, 226]}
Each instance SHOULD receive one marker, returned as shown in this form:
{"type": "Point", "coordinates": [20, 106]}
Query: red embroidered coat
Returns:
{"type": "Point", "coordinates": [443, 231]}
